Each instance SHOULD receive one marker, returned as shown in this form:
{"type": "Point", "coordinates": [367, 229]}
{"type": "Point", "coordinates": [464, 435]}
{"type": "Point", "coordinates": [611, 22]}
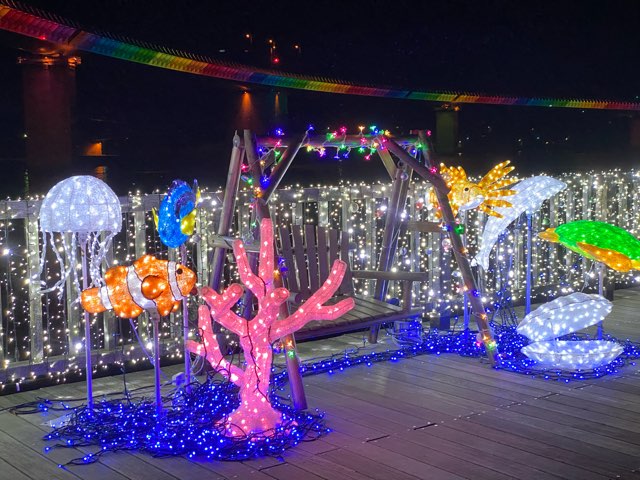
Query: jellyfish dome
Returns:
{"type": "Point", "coordinates": [86, 208]}
{"type": "Point", "coordinates": [81, 204]}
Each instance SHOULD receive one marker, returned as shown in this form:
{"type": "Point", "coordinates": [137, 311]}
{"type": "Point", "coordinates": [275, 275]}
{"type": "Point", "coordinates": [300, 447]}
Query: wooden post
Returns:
{"type": "Point", "coordinates": [255, 170]}
{"type": "Point", "coordinates": [552, 269]}
{"type": "Point", "coordinates": [228, 209]}
{"type": "Point", "coordinates": [527, 296]}
{"type": "Point", "coordinates": [278, 172]}
{"type": "Point", "coordinates": [202, 247]}
{"type": "Point", "coordinates": [155, 318]}
{"type": "Point", "coordinates": [140, 248]}
{"type": "Point", "coordinates": [389, 237]}
{"type": "Point", "coordinates": [601, 274]}
{"type": "Point", "coordinates": [441, 190]}
{"type": "Point", "coordinates": [2, 339]}
{"type": "Point", "coordinates": [36, 335]}
{"type": "Point", "coordinates": [569, 211]}
{"type": "Point", "coordinates": [185, 325]}
{"type": "Point", "coordinates": [73, 309]}
{"type": "Point", "coordinates": [465, 295]}
{"type": "Point", "coordinates": [323, 213]}
{"type": "Point", "coordinates": [84, 239]}
{"type": "Point", "coordinates": [108, 318]}
{"type": "Point", "coordinates": [388, 162]}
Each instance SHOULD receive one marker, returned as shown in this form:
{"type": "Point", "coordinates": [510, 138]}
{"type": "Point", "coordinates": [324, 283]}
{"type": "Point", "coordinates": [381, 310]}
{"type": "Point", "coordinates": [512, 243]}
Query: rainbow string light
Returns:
{"type": "Point", "coordinates": [18, 18]}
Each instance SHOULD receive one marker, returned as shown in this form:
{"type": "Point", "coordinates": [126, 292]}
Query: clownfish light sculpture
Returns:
{"type": "Point", "coordinates": [149, 284]}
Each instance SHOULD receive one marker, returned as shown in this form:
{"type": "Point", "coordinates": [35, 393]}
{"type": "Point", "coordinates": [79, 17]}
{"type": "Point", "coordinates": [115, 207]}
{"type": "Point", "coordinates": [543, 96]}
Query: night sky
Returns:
{"type": "Point", "coordinates": [160, 124]}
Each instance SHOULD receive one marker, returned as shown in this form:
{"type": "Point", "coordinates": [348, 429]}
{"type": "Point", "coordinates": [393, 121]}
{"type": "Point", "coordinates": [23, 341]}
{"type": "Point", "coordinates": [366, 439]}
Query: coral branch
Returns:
{"type": "Point", "coordinates": [265, 270]}
{"type": "Point", "coordinates": [211, 350]}
{"type": "Point", "coordinates": [220, 306]}
{"type": "Point", "coordinates": [330, 285]}
{"type": "Point", "coordinates": [314, 308]}
{"type": "Point", "coordinates": [255, 413]}
{"type": "Point", "coordinates": [299, 319]}
{"type": "Point", "coordinates": [251, 280]}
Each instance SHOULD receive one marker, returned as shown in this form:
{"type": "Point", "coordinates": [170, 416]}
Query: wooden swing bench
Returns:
{"type": "Point", "coordinates": [308, 254]}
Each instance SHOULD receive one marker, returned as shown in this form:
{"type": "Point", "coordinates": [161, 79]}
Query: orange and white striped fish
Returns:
{"type": "Point", "coordinates": [149, 284]}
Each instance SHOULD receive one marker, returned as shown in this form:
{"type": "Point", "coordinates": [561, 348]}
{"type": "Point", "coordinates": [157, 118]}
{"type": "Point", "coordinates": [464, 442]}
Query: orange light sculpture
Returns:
{"type": "Point", "coordinates": [149, 284]}
{"type": "Point", "coordinates": [466, 195]}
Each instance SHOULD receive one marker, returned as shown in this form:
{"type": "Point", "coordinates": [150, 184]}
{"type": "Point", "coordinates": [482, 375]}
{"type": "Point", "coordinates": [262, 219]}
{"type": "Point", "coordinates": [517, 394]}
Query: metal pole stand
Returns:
{"type": "Point", "coordinates": [155, 318]}
{"type": "Point", "coordinates": [84, 239]}
{"type": "Point", "coordinates": [185, 327]}
{"type": "Point", "coordinates": [527, 296]}
{"type": "Point", "coordinates": [600, 266]}
{"type": "Point", "coordinates": [466, 308]}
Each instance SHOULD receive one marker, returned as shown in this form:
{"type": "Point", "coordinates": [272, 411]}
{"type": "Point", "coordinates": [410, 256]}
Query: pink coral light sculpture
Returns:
{"type": "Point", "coordinates": [255, 413]}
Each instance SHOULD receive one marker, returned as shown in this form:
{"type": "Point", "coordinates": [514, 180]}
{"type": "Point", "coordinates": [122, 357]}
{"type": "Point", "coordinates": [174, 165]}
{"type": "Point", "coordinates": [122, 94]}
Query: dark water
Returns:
{"type": "Point", "coordinates": [159, 125]}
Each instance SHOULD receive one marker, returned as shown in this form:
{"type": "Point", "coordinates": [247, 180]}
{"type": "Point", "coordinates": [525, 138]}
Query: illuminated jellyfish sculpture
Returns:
{"type": "Point", "coordinates": [80, 209]}
{"type": "Point", "coordinates": [563, 316]}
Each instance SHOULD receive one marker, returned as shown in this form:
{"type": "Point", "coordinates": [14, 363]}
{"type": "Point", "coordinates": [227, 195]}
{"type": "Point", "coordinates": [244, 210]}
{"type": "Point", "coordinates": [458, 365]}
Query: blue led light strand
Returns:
{"type": "Point", "coordinates": [193, 424]}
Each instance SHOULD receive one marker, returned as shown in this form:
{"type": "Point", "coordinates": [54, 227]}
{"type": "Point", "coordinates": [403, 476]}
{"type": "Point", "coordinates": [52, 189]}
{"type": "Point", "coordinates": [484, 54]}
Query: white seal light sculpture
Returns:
{"type": "Point", "coordinates": [529, 196]}
{"type": "Point", "coordinates": [563, 316]}
{"type": "Point", "coordinates": [84, 207]}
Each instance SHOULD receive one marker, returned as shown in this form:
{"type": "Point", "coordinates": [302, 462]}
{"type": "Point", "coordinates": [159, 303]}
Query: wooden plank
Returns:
{"type": "Point", "coordinates": [424, 226]}
{"type": "Point", "coordinates": [21, 432]}
{"type": "Point", "coordinates": [124, 463]}
{"type": "Point", "coordinates": [312, 259]}
{"type": "Point", "coordinates": [180, 467]}
{"type": "Point", "coordinates": [400, 462]}
{"type": "Point", "coordinates": [290, 277]}
{"type": "Point", "coordinates": [301, 264]}
{"type": "Point", "coordinates": [425, 364]}
{"type": "Point", "coordinates": [371, 468]}
{"type": "Point", "coordinates": [440, 405]}
{"type": "Point", "coordinates": [346, 287]}
{"type": "Point", "coordinates": [30, 462]}
{"type": "Point", "coordinates": [361, 410]}
{"type": "Point", "coordinates": [9, 472]}
{"type": "Point", "coordinates": [286, 471]}
{"type": "Point", "coordinates": [469, 467]}
{"type": "Point", "coordinates": [587, 423]}
{"type": "Point", "coordinates": [174, 465]}
{"type": "Point", "coordinates": [334, 246]}
{"type": "Point", "coordinates": [553, 460]}
{"type": "Point", "coordinates": [323, 258]}
{"type": "Point", "coordinates": [387, 161]}
{"type": "Point", "coordinates": [584, 443]}
{"type": "Point", "coordinates": [407, 371]}
{"type": "Point", "coordinates": [320, 466]}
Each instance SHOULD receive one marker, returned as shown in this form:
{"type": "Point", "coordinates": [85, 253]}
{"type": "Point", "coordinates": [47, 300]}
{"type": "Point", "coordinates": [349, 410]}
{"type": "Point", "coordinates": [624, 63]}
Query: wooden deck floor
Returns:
{"type": "Point", "coordinates": [435, 417]}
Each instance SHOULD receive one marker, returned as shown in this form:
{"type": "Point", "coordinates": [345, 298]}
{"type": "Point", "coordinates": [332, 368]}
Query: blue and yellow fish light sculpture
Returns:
{"type": "Point", "coordinates": [149, 284]}
{"type": "Point", "coordinates": [176, 219]}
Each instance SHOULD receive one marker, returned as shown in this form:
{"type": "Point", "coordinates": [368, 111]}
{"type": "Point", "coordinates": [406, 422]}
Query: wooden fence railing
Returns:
{"type": "Point", "coordinates": [39, 329]}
